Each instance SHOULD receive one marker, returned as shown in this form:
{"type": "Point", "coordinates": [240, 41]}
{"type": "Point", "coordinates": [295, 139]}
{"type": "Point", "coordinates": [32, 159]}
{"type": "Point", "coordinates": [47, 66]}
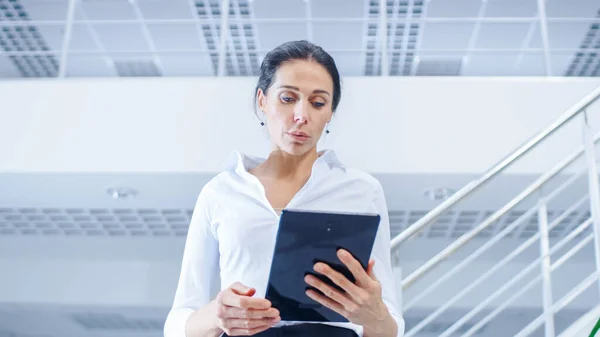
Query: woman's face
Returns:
{"type": "Point", "coordinates": [297, 106]}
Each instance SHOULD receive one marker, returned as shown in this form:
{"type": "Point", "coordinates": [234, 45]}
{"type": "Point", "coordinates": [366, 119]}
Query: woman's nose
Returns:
{"type": "Point", "coordinates": [301, 113]}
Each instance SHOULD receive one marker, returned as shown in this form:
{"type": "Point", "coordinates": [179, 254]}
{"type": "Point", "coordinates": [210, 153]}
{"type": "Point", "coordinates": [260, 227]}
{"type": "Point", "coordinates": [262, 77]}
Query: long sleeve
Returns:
{"type": "Point", "coordinates": [383, 266]}
{"type": "Point", "coordinates": [199, 268]}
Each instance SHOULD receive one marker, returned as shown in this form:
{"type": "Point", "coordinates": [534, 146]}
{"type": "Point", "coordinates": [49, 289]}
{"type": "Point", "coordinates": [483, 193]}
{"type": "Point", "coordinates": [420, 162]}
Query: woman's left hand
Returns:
{"type": "Point", "coordinates": [362, 303]}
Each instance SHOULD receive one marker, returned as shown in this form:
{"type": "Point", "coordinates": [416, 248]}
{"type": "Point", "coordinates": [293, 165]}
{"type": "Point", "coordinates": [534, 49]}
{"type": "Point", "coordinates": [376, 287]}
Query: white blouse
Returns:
{"type": "Point", "coordinates": [233, 230]}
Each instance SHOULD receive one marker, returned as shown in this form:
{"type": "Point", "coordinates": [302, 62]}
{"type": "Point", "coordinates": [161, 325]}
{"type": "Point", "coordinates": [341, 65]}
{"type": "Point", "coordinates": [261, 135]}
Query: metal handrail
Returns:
{"type": "Point", "coordinates": [504, 260]}
{"type": "Point", "coordinates": [431, 216]}
{"type": "Point", "coordinates": [544, 259]}
{"type": "Point", "coordinates": [483, 321]}
{"type": "Point", "coordinates": [568, 298]}
{"type": "Point", "coordinates": [559, 245]}
{"type": "Point", "coordinates": [471, 314]}
{"type": "Point", "coordinates": [465, 238]}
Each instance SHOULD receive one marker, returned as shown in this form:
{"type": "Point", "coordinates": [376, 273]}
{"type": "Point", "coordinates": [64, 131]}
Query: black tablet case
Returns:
{"type": "Point", "coordinates": [305, 238]}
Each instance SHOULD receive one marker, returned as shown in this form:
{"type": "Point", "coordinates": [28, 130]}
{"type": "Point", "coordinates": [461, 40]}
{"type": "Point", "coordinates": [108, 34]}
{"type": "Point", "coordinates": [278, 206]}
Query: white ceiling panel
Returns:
{"type": "Point", "coordinates": [293, 9]}
{"type": "Point", "coordinates": [337, 9]}
{"type": "Point", "coordinates": [89, 66]}
{"type": "Point", "coordinates": [349, 63]}
{"type": "Point", "coordinates": [82, 38]}
{"type": "Point", "coordinates": [167, 9]}
{"type": "Point", "coordinates": [501, 35]}
{"type": "Point", "coordinates": [128, 37]}
{"type": "Point", "coordinates": [53, 36]}
{"type": "Point", "coordinates": [271, 35]}
{"type": "Point", "coordinates": [565, 35]}
{"type": "Point", "coordinates": [45, 9]}
{"type": "Point", "coordinates": [107, 10]}
{"type": "Point", "coordinates": [531, 64]}
{"type": "Point", "coordinates": [338, 35]}
{"type": "Point", "coordinates": [511, 8]}
{"type": "Point", "coordinates": [490, 65]}
{"type": "Point", "coordinates": [197, 64]}
{"type": "Point", "coordinates": [453, 9]}
{"type": "Point", "coordinates": [572, 8]}
{"type": "Point", "coordinates": [176, 36]}
{"type": "Point", "coordinates": [446, 35]}
{"type": "Point", "coordinates": [7, 68]}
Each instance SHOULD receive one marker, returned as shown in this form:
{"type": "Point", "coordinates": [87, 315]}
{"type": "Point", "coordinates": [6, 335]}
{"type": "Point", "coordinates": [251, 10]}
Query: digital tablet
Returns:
{"type": "Point", "coordinates": [305, 238]}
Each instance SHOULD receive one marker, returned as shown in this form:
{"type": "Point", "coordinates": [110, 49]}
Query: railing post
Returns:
{"type": "Point", "coordinates": [546, 269]}
{"type": "Point", "coordinates": [594, 188]}
{"type": "Point", "coordinates": [400, 292]}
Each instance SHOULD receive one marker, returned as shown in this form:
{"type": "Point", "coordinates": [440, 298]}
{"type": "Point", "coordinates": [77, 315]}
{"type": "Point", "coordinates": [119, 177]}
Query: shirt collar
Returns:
{"type": "Point", "coordinates": [241, 163]}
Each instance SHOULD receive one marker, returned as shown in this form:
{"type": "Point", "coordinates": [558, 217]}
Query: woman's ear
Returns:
{"type": "Point", "coordinates": [262, 101]}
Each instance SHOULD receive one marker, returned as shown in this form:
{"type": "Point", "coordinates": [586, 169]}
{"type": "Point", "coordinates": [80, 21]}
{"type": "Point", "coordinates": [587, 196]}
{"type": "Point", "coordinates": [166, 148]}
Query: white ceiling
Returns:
{"type": "Point", "coordinates": [182, 37]}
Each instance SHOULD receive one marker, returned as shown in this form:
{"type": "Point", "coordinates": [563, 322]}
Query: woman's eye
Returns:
{"type": "Point", "coordinates": [318, 104]}
{"type": "Point", "coordinates": [287, 99]}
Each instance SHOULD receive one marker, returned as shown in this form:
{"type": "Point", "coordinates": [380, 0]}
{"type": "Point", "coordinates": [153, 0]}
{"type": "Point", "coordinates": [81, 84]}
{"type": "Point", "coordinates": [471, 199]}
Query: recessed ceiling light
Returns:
{"type": "Point", "coordinates": [439, 193]}
{"type": "Point", "coordinates": [121, 192]}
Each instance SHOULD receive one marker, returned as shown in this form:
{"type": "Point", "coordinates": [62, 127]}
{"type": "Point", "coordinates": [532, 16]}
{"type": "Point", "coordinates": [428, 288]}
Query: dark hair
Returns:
{"type": "Point", "coordinates": [297, 50]}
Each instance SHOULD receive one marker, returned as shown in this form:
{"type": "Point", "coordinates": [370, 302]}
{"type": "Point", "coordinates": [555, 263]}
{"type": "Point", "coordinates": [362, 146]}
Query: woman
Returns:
{"type": "Point", "coordinates": [234, 225]}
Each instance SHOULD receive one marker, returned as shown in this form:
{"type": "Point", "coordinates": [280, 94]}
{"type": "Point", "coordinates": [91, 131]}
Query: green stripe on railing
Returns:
{"type": "Point", "coordinates": [595, 329]}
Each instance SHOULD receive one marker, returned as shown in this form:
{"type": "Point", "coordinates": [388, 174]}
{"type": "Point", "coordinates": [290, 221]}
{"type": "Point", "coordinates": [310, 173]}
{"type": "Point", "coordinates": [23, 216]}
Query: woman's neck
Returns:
{"type": "Point", "coordinates": [284, 166]}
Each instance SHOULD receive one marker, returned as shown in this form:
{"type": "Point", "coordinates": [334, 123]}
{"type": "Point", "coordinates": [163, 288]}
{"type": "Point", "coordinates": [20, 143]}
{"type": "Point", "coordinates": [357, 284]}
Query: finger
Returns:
{"type": "Point", "coordinates": [354, 266]}
{"type": "Point", "coordinates": [250, 323]}
{"type": "Point", "coordinates": [338, 278]}
{"type": "Point", "coordinates": [241, 289]}
{"type": "Point", "coordinates": [328, 291]}
{"type": "Point", "coordinates": [327, 302]}
{"type": "Point", "coordinates": [248, 332]}
{"type": "Point", "coordinates": [233, 312]}
{"type": "Point", "coordinates": [229, 298]}
{"type": "Point", "coordinates": [371, 270]}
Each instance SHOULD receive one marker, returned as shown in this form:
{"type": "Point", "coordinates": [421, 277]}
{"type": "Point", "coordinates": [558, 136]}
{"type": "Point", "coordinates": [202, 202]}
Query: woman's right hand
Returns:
{"type": "Point", "coordinates": [238, 314]}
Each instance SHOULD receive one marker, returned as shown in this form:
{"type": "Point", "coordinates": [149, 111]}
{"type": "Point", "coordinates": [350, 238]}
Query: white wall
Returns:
{"type": "Point", "coordinates": [584, 325]}
{"type": "Point", "coordinates": [384, 124]}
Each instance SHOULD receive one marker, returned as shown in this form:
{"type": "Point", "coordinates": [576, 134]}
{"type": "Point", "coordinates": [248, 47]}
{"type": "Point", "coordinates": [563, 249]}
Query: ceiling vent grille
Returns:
{"type": "Point", "coordinates": [136, 68]}
{"type": "Point", "coordinates": [454, 224]}
{"type": "Point", "coordinates": [76, 222]}
{"type": "Point", "coordinates": [241, 57]}
{"type": "Point", "coordinates": [587, 60]}
{"type": "Point", "coordinates": [26, 38]}
{"type": "Point", "coordinates": [402, 36]}
{"type": "Point", "coordinates": [94, 222]}
{"type": "Point", "coordinates": [373, 58]}
{"type": "Point", "coordinates": [439, 67]}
